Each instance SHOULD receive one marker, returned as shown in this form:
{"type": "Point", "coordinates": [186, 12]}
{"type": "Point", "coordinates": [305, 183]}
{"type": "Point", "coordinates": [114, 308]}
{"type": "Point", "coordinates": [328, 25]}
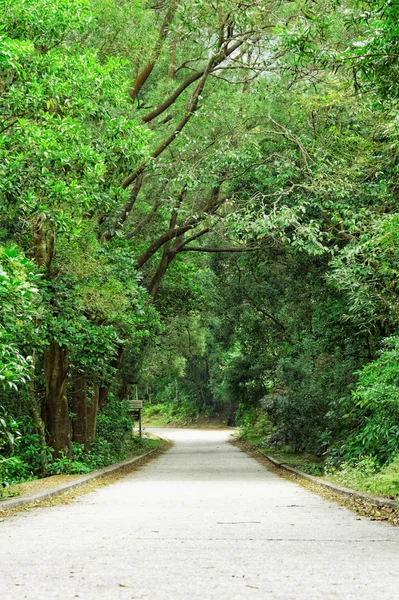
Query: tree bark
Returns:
{"type": "Point", "coordinates": [79, 408]}
{"type": "Point", "coordinates": [57, 419]}
{"type": "Point", "coordinates": [91, 417]}
{"type": "Point", "coordinates": [148, 68]}
{"type": "Point", "coordinates": [102, 392]}
{"type": "Point", "coordinates": [143, 222]}
{"type": "Point", "coordinates": [34, 409]}
{"type": "Point", "coordinates": [217, 59]}
{"type": "Point", "coordinates": [172, 61]}
{"type": "Point", "coordinates": [107, 235]}
{"type": "Point", "coordinates": [190, 110]}
{"type": "Point", "coordinates": [162, 239]}
{"type": "Point", "coordinates": [159, 274]}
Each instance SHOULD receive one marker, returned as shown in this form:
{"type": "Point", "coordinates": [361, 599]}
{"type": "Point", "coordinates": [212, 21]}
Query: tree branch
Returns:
{"type": "Point", "coordinates": [265, 313]}
{"type": "Point", "coordinates": [175, 232]}
{"type": "Point", "coordinates": [218, 59]}
{"type": "Point", "coordinates": [193, 237]}
{"type": "Point", "coordinates": [143, 222]}
{"type": "Point", "coordinates": [191, 108]}
{"type": "Point", "coordinates": [123, 215]}
{"type": "Point", "coordinates": [146, 72]}
{"type": "Point", "coordinates": [203, 249]}
{"type": "Point", "coordinates": [168, 254]}
{"type": "Point", "coordinates": [162, 239]}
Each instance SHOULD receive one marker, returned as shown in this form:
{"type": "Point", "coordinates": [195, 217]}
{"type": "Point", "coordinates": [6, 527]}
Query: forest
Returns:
{"type": "Point", "coordinates": [199, 199]}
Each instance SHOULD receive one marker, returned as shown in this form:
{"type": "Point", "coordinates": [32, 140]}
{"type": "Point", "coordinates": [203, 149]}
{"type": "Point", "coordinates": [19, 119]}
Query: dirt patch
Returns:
{"type": "Point", "coordinates": [361, 507]}
{"type": "Point", "coordinates": [90, 486]}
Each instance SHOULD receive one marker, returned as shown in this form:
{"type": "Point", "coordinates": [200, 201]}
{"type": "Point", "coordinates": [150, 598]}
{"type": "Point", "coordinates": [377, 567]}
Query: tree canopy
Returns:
{"type": "Point", "coordinates": [198, 199]}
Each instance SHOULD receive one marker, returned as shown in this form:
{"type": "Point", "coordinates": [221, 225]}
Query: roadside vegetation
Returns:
{"type": "Point", "coordinates": [199, 199]}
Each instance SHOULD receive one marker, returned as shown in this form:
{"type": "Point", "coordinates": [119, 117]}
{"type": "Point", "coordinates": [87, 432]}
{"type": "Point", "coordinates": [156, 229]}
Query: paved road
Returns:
{"type": "Point", "coordinates": [202, 521]}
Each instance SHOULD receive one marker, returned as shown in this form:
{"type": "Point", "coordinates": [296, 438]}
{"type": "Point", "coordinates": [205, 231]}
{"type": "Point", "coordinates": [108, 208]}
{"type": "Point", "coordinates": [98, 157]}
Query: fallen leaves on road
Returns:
{"type": "Point", "coordinates": [359, 506]}
{"type": "Point", "coordinates": [70, 495]}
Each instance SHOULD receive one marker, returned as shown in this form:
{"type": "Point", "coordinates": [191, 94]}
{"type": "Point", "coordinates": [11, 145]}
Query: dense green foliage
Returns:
{"type": "Point", "coordinates": [198, 199]}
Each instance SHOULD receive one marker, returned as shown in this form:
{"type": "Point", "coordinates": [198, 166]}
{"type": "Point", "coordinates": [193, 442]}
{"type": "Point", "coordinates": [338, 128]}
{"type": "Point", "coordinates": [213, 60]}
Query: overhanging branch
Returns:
{"type": "Point", "coordinates": [148, 68]}
{"type": "Point", "coordinates": [204, 249]}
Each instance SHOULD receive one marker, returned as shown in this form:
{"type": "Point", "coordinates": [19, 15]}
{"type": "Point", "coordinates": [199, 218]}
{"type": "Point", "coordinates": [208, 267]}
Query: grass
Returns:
{"type": "Point", "coordinates": [364, 477]}
{"type": "Point", "coordinates": [167, 414]}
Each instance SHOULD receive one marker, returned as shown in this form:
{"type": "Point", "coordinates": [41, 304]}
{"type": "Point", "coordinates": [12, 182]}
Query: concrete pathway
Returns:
{"type": "Point", "coordinates": [202, 521]}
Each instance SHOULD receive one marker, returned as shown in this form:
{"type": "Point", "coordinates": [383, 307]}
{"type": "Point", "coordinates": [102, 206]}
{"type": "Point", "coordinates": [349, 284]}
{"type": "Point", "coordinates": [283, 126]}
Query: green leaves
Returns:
{"type": "Point", "coordinates": [9, 432]}
{"type": "Point", "coordinates": [45, 23]}
{"type": "Point", "coordinates": [375, 408]}
{"type": "Point", "coordinates": [68, 139]}
{"type": "Point", "coordinates": [19, 309]}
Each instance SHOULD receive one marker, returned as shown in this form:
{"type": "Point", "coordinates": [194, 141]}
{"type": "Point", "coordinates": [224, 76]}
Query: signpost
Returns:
{"type": "Point", "coordinates": [135, 407]}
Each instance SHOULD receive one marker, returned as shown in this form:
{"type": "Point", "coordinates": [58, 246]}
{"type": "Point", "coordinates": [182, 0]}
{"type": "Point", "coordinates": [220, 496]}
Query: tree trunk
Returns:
{"type": "Point", "coordinates": [34, 409]}
{"type": "Point", "coordinates": [159, 274]}
{"type": "Point", "coordinates": [154, 55]}
{"type": "Point", "coordinates": [79, 408]}
{"type": "Point", "coordinates": [172, 63]}
{"type": "Point", "coordinates": [91, 414]}
{"type": "Point", "coordinates": [40, 430]}
{"type": "Point", "coordinates": [56, 411]}
{"type": "Point", "coordinates": [102, 392]}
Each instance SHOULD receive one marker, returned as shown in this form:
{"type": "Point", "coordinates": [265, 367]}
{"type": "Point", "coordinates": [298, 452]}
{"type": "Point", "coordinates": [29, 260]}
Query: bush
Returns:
{"type": "Point", "coordinates": [31, 451]}
{"type": "Point", "coordinates": [68, 466]}
{"type": "Point", "coordinates": [373, 410]}
{"type": "Point", "coordinates": [13, 470]}
{"type": "Point", "coordinates": [256, 427]}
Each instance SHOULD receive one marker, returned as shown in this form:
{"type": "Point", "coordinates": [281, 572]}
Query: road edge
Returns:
{"type": "Point", "coordinates": [376, 508]}
{"type": "Point", "coordinates": [375, 500]}
{"type": "Point", "coordinates": [35, 498]}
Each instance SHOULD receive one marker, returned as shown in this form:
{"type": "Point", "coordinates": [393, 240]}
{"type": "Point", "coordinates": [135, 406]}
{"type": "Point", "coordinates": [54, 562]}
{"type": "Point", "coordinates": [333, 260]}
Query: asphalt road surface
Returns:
{"type": "Point", "coordinates": [202, 521]}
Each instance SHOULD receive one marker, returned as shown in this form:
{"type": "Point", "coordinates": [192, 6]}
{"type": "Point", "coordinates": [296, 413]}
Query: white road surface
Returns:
{"type": "Point", "coordinates": [202, 521]}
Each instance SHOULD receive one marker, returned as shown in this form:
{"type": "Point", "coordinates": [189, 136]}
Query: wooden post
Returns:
{"type": "Point", "coordinates": [137, 403]}
{"type": "Point", "coordinates": [135, 406]}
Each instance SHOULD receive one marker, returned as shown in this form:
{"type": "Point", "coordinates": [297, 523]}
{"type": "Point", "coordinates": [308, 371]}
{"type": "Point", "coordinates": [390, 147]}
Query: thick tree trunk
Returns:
{"type": "Point", "coordinates": [34, 409]}
{"type": "Point", "coordinates": [40, 430]}
{"type": "Point", "coordinates": [79, 408]}
{"type": "Point", "coordinates": [56, 413]}
{"type": "Point", "coordinates": [91, 413]}
{"type": "Point", "coordinates": [102, 392]}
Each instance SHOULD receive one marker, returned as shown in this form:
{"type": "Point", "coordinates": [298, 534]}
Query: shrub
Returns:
{"type": "Point", "coordinates": [373, 410]}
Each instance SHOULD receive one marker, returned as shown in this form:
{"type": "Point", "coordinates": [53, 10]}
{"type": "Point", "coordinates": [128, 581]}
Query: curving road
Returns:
{"type": "Point", "coordinates": [202, 521]}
